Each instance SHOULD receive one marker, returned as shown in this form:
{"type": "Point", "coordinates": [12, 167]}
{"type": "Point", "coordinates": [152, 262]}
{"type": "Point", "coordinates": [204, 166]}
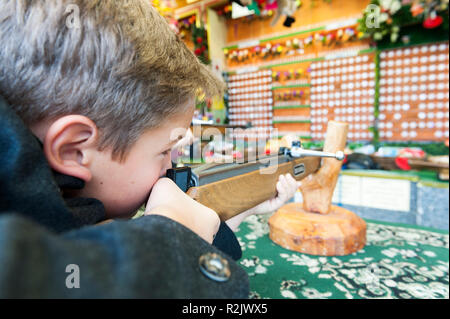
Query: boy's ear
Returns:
{"type": "Point", "coordinates": [69, 145]}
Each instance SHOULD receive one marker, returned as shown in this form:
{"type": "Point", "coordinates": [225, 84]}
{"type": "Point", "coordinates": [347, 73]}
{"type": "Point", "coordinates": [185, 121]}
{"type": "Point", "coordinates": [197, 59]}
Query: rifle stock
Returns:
{"type": "Point", "coordinates": [234, 195]}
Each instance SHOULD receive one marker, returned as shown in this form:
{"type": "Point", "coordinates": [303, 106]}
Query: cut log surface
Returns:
{"type": "Point", "coordinates": [340, 232]}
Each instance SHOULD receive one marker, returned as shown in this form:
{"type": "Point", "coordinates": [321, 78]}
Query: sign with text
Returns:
{"type": "Point", "coordinates": [373, 192]}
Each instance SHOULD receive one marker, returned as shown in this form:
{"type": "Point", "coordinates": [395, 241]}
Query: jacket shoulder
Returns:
{"type": "Point", "coordinates": [150, 257]}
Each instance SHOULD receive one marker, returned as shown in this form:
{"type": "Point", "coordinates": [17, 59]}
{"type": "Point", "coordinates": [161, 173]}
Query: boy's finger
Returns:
{"type": "Point", "coordinates": [279, 187]}
{"type": "Point", "coordinates": [291, 185]}
{"type": "Point", "coordinates": [289, 176]}
{"type": "Point", "coordinates": [285, 187]}
{"type": "Point", "coordinates": [282, 180]}
{"type": "Point", "coordinates": [292, 181]}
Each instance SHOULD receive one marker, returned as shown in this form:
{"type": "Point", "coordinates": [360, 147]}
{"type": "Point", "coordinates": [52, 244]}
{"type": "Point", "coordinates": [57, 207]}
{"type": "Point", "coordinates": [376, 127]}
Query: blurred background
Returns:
{"type": "Point", "coordinates": [291, 66]}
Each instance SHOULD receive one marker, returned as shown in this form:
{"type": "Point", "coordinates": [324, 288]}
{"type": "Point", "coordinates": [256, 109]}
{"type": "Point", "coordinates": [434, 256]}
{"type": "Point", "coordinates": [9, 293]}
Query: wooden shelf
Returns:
{"type": "Point", "coordinates": [282, 107]}
{"type": "Point", "coordinates": [330, 56]}
{"type": "Point", "coordinates": [294, 121]}
{"type": "Point", "coordinates": [302, 137]}
{"type": "Point", "coordinates": [291, 86]}
{"type": "Point", "coordinates": [330, 26]}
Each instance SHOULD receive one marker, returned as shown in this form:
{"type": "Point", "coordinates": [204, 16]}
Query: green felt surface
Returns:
{"type": "Point", "coordinates": [398, 261]}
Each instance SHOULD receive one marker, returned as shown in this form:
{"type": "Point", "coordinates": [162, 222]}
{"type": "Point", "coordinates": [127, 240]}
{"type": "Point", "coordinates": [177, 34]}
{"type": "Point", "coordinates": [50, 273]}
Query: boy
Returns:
{"type": "Point", "coordinates": [90, 104]}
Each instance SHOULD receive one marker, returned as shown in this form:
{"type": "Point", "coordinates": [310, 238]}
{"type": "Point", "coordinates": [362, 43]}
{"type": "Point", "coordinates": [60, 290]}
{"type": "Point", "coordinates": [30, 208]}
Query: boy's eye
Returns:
{"type": "Point", "coordinates": [166, 152]}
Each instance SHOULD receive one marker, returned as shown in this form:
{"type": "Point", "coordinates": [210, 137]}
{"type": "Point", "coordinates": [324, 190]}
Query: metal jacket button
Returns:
{"type": "Point", "coordinates": [214, 267]}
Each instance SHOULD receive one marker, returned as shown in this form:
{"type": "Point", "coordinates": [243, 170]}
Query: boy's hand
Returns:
{"type": "Point", "coordinates": [168, 200]}
{"type": "Point", "coordinates": [286, 188]}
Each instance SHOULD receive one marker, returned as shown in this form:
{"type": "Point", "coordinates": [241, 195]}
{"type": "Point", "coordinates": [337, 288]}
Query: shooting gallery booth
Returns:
{"type": "Point", "coordinates": [305, 81]}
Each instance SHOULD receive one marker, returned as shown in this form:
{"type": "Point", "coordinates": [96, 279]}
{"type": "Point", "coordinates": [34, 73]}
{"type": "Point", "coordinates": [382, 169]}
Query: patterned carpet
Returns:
{"type": "Point", "coordinates": [399, 261]}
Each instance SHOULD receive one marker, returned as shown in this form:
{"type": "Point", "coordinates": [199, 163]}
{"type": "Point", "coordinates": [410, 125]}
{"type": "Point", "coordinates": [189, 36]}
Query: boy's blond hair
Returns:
{"type": "Point", "coordinates": [118, 63]}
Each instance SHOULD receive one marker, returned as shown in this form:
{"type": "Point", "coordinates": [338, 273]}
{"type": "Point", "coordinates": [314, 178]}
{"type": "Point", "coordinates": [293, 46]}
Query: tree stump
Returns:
{"type": "Point", "coordinates": [316, 227]}
{"type": "Point", "coordinates": [338, 233]}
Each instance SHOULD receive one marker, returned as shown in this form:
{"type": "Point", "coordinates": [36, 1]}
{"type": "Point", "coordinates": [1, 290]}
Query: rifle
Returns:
{"type": "Point", "coordinates": [316, 227]}
{"type": "Point", "coordinates": [232, 188]}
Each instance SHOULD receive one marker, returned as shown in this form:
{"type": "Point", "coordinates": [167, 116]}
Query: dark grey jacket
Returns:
{"type": "Point", "coordinates": [41, 234]}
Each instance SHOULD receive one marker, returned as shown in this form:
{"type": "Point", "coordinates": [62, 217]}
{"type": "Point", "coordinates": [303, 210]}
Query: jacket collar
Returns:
{"type": "Point", "coordinates": [29, 187]}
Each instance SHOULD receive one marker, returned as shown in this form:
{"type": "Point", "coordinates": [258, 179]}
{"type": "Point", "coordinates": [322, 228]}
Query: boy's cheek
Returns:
{"type": "Point", "coordinates": [167, 164]}
{"type": "Point", "coordinates": [127, 199]}
{"type": "Point", "coordinates": [123, 194]}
